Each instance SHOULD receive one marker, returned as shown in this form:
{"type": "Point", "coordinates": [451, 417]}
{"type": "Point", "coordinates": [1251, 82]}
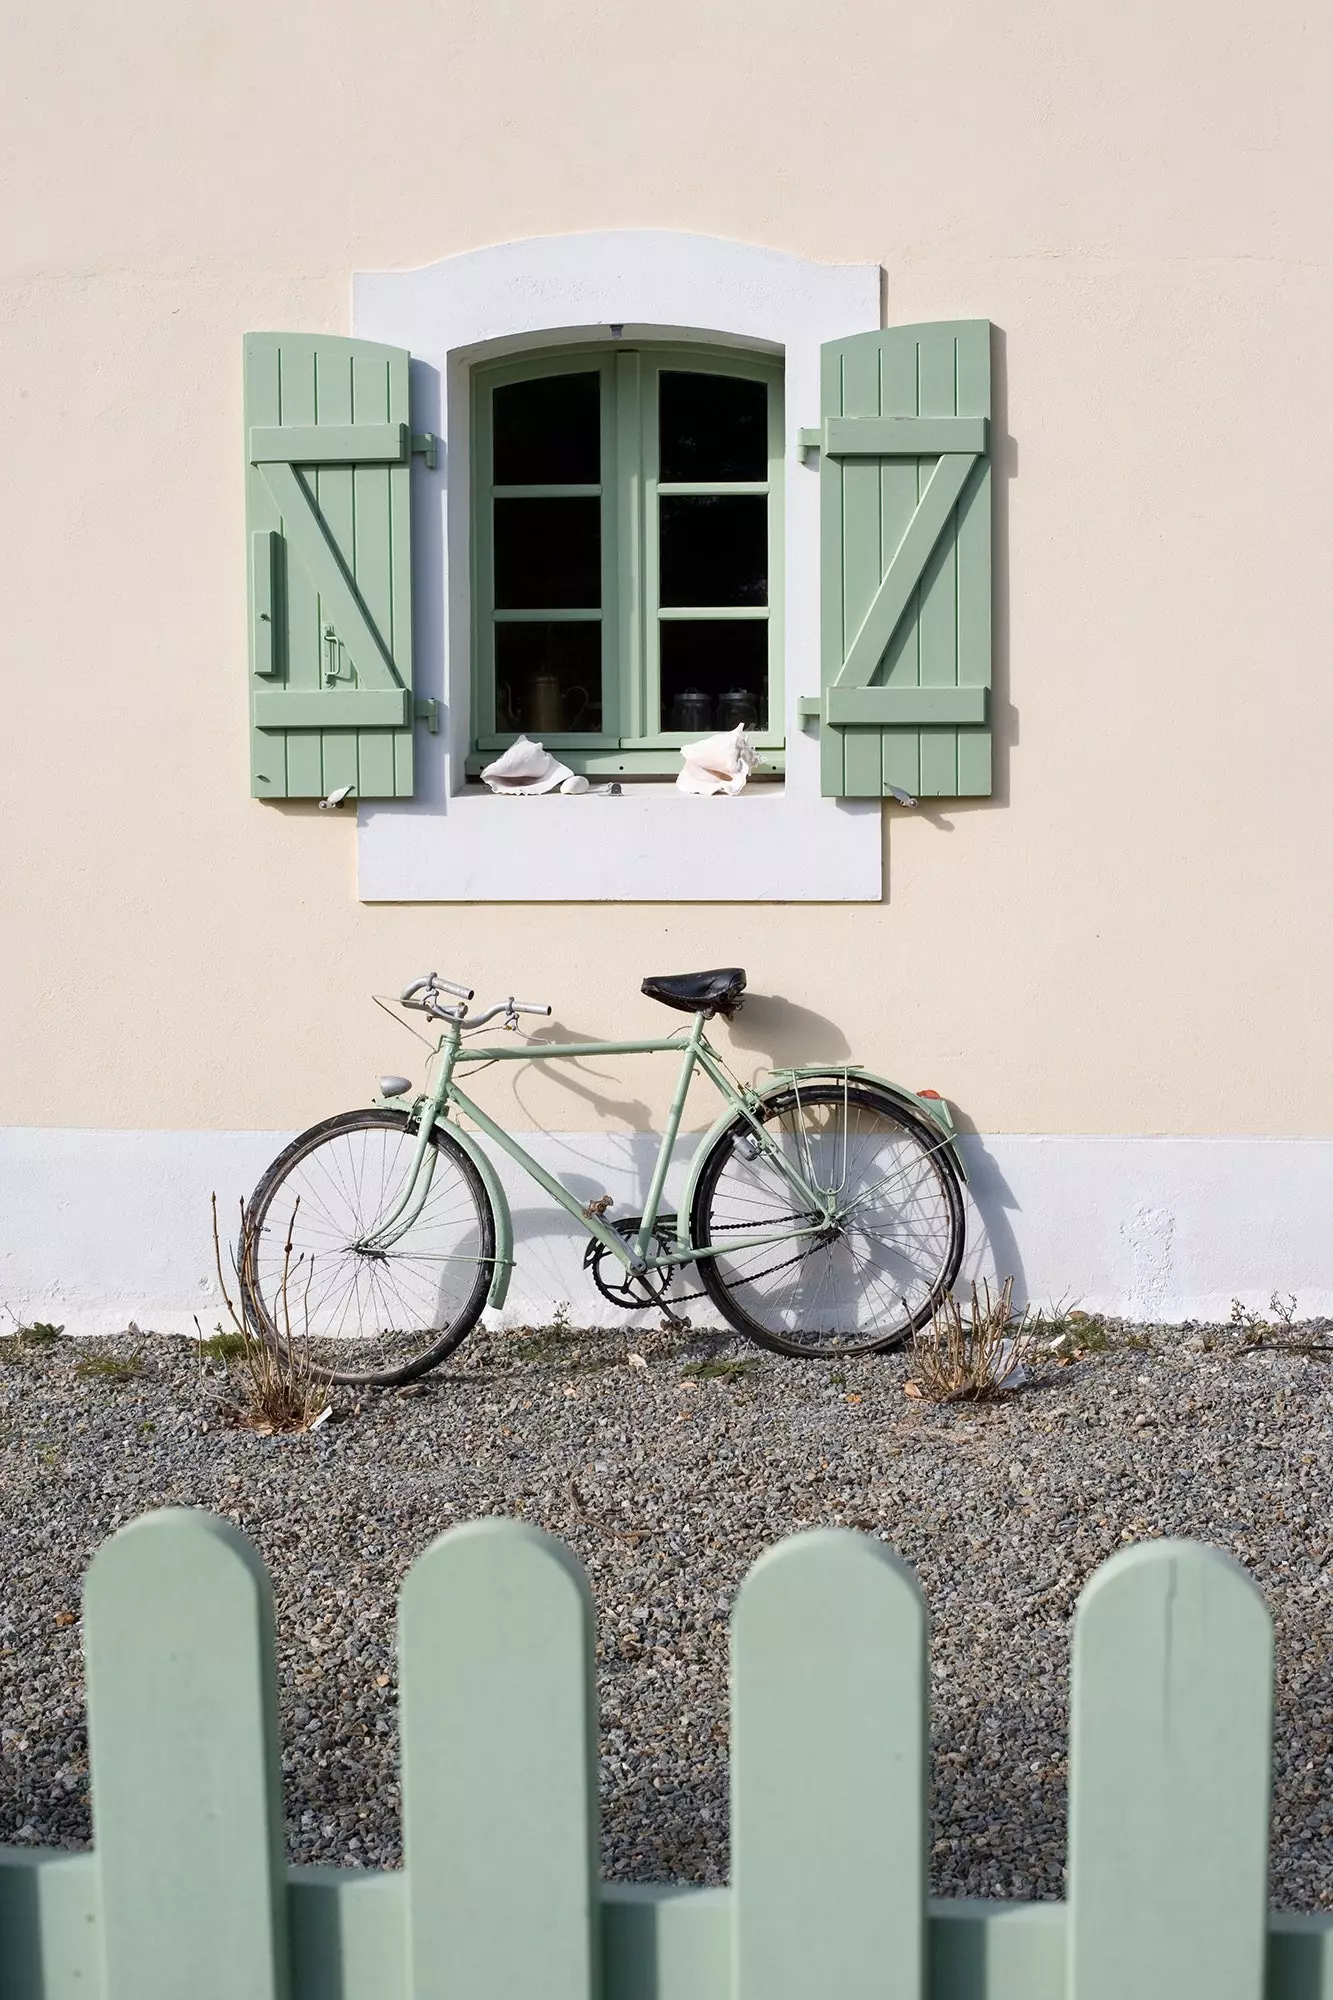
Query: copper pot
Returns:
{"type": "Point", "coordinates": [544, 705]}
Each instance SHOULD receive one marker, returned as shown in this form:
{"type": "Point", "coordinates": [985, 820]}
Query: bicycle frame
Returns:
{"type": "Point", "coordinates": [637, 1254]}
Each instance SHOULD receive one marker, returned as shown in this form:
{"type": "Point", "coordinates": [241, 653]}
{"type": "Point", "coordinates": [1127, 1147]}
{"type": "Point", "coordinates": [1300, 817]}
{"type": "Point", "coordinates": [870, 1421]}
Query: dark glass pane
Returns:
{"type": "Point", "coordinates": [714, 548]}
{"type": "Point", "coordinates": [548, 555]}
{"type": "Point", "coordinates": [548, 678]}
{"type": "Point", "coordinates": [548, 432]}
{"type": "Point", "coordinates": [714, 673]}
{"type": "Point", "coordinates": [712, 427]}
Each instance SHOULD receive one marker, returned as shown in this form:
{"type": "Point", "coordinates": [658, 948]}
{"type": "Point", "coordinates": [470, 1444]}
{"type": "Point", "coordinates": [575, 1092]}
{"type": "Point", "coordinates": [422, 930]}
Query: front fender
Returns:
{"type": "Point", "coordinates": [933, 1109]}
{"type": "Point", "coordinates": [504, 1221]}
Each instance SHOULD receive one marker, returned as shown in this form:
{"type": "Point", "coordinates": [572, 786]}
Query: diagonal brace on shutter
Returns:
{"type": "Point", "coordinates": [310, 542]}
{"type": "Point", "coordinates": [933, 513]}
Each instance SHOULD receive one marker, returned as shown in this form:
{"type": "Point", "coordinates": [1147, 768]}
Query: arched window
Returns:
{"type": "Point", "coordinates": [627, 542]}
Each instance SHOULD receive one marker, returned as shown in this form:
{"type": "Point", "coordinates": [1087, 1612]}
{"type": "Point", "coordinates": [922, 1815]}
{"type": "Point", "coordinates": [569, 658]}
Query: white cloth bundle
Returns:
{"type": "Point", "coordinates": [719, 763]}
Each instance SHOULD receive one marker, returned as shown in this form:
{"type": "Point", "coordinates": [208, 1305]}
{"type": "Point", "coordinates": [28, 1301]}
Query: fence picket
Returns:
{"type": "Point", "coordinates": [186, 1786]}
{"type": "Point", "coordinates": [1170, 1737]}
{"type": "Point", "coordinates": [185, 1890]}
{"type": "Point", "coordinates": [499, 1746]}
{"type": "Point", "coordinates": [828, 1774]}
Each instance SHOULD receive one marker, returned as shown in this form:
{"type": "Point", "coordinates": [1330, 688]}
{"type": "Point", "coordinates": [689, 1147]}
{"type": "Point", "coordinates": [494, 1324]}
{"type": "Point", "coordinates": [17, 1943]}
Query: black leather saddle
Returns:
{"type": "Point", "coordinates": [699, 992]}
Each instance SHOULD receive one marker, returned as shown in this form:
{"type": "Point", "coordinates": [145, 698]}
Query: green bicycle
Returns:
{"type": "Point", "coordinates": [824, 1212]}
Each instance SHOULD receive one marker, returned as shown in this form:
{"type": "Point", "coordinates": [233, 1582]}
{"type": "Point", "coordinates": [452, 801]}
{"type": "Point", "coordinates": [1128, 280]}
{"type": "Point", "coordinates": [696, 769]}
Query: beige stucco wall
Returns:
{"type": "Point", "coordinates": [1132, 937]}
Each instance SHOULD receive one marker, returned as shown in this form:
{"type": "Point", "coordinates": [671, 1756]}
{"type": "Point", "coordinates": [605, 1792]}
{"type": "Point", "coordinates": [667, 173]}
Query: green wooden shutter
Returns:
{"type": "Point", "coordinates": [906, 562]}
{"type": "Point", "coordinates": [328, 513]}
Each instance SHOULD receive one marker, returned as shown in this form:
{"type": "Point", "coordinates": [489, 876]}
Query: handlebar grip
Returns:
{"type": "Point", "coordinates": [431, 982]}
{"type": "Point", "coordinates": [528, 1007]}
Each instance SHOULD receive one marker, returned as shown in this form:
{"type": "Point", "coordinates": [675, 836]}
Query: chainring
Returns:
{"type": "Point", "coordinates": [629, 1290]}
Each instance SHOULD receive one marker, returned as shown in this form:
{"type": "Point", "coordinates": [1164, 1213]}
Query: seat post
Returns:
{"type": "Point", "coordinates": [689, 1058]}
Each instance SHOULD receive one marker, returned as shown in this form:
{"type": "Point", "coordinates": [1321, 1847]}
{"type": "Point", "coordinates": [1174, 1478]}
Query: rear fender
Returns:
{"type": "Point", "coordinates": [933, 1110]}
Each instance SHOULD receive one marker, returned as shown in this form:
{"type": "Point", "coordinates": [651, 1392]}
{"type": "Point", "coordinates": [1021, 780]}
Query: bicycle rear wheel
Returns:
{"type": "Point", "coordinates": [367, 1312]}
{"type": "Point", "coordinates": [861, 1285]}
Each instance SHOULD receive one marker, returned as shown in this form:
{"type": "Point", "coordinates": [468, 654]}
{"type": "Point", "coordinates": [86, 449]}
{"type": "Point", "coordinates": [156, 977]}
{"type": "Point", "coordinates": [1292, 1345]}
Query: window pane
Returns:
{"type": "Point", "coordinates": [714, 673]}
{"type": "Point", "coordinates": [712, 427]}
{"type": "Point", "coordinates": [714, 548]}
{"type": "Point", "coordinates": [548, 432]}
{"type": "Point", "coordinates": [548, 678]}
{"type": "Point", "coordinates": [548, 555]}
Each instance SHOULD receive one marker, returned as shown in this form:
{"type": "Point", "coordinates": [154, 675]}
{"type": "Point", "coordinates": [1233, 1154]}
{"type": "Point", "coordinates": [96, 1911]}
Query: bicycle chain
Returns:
{"type": "Point", "coordinates": [684, 1298]}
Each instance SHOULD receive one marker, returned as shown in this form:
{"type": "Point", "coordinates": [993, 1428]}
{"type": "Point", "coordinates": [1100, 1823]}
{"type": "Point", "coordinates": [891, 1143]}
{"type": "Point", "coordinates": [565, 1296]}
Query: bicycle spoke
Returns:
{"type": "Point", "coordinates": [361, 1306]}
{"type": "Point", "coordinates": [891, 1241]}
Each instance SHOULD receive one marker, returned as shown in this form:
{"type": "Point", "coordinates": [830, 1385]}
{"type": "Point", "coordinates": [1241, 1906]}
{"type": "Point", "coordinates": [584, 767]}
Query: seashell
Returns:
{"type": "Point", "coordinates": [720, 763]}
{"type": "Point", "coordinates": [574, 784]}
{"type": "Point", "coordinates": [525, 769]}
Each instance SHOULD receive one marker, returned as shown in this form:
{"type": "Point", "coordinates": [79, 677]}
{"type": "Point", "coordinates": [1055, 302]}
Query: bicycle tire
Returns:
{"type": "Point", "coordinates": [267, 1223]}
{"type": "Point", "coordinates": [722, 1278]}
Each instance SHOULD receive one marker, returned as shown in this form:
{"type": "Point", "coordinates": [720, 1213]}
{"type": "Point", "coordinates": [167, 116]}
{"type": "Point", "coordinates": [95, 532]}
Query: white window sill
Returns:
{"type": "Point", "coordinates": [651, 844]}
{"type": "Point", "coordinates": [775, 842]}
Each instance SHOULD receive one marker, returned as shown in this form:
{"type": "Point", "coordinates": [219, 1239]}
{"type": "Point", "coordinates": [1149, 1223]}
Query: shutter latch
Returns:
{"type": "Point", "coordinates": [427, 444]}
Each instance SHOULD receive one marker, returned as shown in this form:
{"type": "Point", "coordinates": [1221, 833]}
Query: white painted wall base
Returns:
{"type": "Point", "coordinates": [104, 1227]}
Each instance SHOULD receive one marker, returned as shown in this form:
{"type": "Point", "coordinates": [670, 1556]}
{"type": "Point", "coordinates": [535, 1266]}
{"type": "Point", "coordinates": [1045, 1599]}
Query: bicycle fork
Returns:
{"type": "Point", "coordinates": [415, 1191]}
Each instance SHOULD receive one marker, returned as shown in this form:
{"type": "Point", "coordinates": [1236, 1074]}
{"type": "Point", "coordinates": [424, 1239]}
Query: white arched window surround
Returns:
{"type": "Point", "coordinates": [777, 843]}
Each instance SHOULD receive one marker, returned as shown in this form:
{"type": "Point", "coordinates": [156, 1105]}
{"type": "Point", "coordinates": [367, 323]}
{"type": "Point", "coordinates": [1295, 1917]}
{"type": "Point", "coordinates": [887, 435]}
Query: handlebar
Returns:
{"type": "Point", "coordinates": [510, 1009]}
{"type": "Point", "coordinates": [433, 982]}
{"type": "Point", "coordinates": [430, 986]}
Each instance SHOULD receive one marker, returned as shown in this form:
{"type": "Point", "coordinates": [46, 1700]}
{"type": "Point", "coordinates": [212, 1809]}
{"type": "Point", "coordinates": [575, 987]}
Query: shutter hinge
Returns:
{"type": "Point", "coordinates": [426, 709]}
{"type": "Point", "coordinates": [810, 706]}
{"type": "Point", "coordinates": [808, 441]}
{"type": "Point", "coordinates": [427, 444]}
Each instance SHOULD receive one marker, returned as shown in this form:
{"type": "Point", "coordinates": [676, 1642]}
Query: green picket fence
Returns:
{"type": "Point", "coordinates": [186, 1895]}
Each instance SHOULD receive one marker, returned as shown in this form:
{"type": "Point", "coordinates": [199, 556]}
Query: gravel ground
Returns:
{"type": "Point", "coordinates": [668, 1480]}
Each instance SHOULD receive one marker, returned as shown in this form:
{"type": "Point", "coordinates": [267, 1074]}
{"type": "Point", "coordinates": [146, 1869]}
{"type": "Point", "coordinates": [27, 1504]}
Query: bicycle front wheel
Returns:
{"type": "Point", "coordinates": [861, 1284]}
{"type": "Point", "coordinates": [365, 1310]}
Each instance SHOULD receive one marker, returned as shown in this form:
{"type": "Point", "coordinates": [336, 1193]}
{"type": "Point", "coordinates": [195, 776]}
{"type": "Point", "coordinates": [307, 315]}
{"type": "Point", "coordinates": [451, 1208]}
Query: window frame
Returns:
{"type": "Point", "coordinates": [630, 492]}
